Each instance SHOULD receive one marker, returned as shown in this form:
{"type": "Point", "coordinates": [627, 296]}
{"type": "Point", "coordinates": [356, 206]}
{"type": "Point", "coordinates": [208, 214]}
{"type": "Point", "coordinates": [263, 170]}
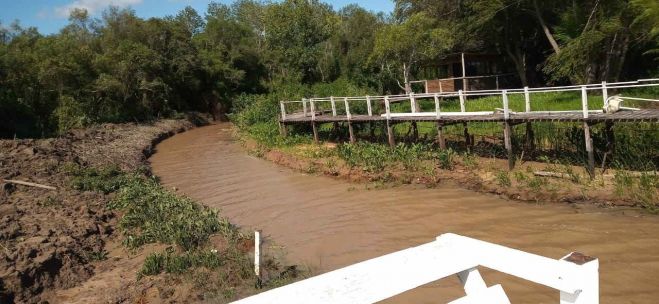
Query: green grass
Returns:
{"type": "Point", "coordinates": [152, 214]}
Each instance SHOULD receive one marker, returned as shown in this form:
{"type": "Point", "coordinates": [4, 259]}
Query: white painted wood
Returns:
{"type": "Point", "coordinates": [427, 114]}
{"type": "Point", "coordinates": [589, 276]}
{"type": "Point", "coordinates": [491, 295]}
{"type": "Point", "coordinates": [614, 85]}
{"type": "Point", "coordinates": [605, 93]}
{"type": "Point", "coordinates": [345, 100]}
{"type": "Point", "coordinates": [257, 253]}
{"type": "Point", "coordinates": [369, 107]}
{"type": "Point", "coordinates": [584, 101]}
{"type": "Point", "coordinates": [384, 277]}
{"type": "Point", "coordinates": [313, 109]}
{"type": "Point", "coordinates": [282, 108]}
{"type": "Point", "coordinates": [535, 268]}
{"type": "Point", "coordinates": [373, 280]}
{"type": "Point", "coordinates": [412, 102]}
{"type": "Point", "coordinates": [472, 281]}
{"type": "Point", "coordinates": [527, 99]}
{"type": "Point", "coordinates": [462, 100]}
{"type": "Point", "coordinates": [387, 107]}
{"type": "Point", "coordinates": [333, 105]}
{"type": "Point", "coordinates": [304, 107]}
{"type": "Point", "coordinates": [506, 105]}
{"type": "Point", "coordinates": [437, 109]}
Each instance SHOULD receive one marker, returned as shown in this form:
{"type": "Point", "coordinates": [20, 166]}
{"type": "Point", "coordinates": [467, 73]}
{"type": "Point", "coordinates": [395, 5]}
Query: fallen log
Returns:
{"type": "Point", "coordinates": [551, 174]}
{"type": "Point", "coordinates": [29, 184]}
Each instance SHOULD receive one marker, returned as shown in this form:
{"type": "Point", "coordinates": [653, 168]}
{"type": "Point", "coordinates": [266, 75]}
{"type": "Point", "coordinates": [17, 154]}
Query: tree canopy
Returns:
{"type": "Point", "coordinates": [120, 67]}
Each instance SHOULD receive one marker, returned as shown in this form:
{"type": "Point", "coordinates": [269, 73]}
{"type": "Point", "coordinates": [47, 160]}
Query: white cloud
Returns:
{"type": "Point", "coordinates": [93, 6]}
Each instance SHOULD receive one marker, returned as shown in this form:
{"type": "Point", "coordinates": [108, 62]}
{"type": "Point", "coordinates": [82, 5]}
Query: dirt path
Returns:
{"type": "Point", "coordinates": [327, 223]}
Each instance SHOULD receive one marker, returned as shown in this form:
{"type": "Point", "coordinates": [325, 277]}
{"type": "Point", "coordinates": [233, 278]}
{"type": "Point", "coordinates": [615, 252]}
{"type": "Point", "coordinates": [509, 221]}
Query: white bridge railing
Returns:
{"type": "Point", "coordinates": [575, 276]}
{"type": "Point", "coordinates": [342, 105]}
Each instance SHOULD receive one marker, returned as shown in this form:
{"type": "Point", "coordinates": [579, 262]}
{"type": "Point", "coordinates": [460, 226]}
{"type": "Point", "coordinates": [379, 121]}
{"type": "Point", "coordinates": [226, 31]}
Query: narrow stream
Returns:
{"type": "Point", "coordinates": [326, 223]}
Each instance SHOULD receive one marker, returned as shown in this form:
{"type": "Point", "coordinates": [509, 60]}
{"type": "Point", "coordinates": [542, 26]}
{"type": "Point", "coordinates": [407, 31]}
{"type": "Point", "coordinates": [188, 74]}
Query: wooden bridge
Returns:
{"type": "Point", "coordinates": [351, 110]}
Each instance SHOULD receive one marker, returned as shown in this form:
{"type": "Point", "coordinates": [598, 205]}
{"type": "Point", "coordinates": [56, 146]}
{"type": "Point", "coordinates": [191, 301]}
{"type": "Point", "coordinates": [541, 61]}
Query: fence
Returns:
{"type": "Point", "coordinates": [575, 276]}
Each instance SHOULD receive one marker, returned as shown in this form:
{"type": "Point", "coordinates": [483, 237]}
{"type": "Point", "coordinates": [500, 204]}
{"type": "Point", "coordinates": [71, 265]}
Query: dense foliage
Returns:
{"type": "Point", "coordinates": [120, 67]}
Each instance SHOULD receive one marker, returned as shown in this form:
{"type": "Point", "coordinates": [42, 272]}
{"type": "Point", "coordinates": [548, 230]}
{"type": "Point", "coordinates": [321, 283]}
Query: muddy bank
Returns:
{"type": "Point", "coordinates": [569, 184]}
{"type": "Point", "coordinates": [51, 240]}
{"type": "Point", "coordinates": [327, 223]}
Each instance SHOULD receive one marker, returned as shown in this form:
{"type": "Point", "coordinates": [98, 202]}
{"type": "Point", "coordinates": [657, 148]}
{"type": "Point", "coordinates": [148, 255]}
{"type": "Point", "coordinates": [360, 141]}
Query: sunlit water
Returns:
{"type": "Point", "coordinates": [326, 223]}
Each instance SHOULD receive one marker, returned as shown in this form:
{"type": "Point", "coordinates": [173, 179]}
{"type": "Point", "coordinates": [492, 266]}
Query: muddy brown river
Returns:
{"type": "Point", "coordinates": [324, 223]}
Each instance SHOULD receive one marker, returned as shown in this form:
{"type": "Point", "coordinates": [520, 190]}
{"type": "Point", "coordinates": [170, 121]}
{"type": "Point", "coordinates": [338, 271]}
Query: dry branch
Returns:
{"type": "Point", "coordinates": [17, 182]}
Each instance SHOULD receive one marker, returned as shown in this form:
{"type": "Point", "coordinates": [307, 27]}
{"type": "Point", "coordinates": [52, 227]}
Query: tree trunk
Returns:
{"type": "Point", "coordinates": [406, 78]}
{"type": "Point", "coordinates": [545, 29]}
{"type": "Point", "coordinates": [520, 64]}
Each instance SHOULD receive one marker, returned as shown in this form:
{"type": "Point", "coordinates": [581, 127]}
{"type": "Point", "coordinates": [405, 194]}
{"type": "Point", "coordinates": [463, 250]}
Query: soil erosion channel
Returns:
{"type": "Point", "coordinates": [326, 223]}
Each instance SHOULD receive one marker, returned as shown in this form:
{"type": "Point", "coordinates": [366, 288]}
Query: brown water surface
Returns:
{"type": "Point", "coordinates": [326, 223]}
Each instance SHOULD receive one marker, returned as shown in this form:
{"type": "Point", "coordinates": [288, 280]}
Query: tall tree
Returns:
{"type": "Point", "coordinates": [402, 46]}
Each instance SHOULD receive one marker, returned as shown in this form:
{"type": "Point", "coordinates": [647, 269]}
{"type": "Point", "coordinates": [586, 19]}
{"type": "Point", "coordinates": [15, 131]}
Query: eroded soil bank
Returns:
{"type": "Point", "coordinates": [54, 240]}
{"type": "Point", "coordinates": [327, 223]}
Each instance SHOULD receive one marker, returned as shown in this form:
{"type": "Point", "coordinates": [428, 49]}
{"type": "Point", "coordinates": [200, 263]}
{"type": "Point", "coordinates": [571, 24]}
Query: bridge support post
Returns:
{"type": "Point", "coordinates": [610, 142]}
{"type": "Point", "coordinates": [390, 134]}
{"type": "Point", "coordinates": [590, 166]}
{"type": "Point", "coordinates": [315, 132]}
{"type": "Point", "coordinates": [507, 134]}
{"type": "Point", "coordinates": [467, 136]}
{"type": "Point", "coordinates": [351, 132]}
{"type": "Point", "coordinates": [440, 136]}
{"type": "Point", "coordinates": [282, 129]}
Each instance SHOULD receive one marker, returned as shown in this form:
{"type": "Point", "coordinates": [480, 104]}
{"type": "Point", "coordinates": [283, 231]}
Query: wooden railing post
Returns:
{"type": "Point", "coordinates": [333, 105]}
{"type": "Point", "coordinates": [605, 93]}
{"type": "Point", "coordinates": [304, 107]}
{"type": "Point", "coordinates": [587, 137]}
{"type": "Point", "coordinates": [462, 100]}
{"type": "Point", "coordinates": [440, 126]}
{"type": "Point", "coordinates": [313, 121]}
{"type": "Point", "coordinates": [527, 99]}
{"type": "Point", "coordinates": [351, 132]}
{"type": "Point", "coordinates": [369, 107]}
{"type": "Point", "coordinates": [283, 110]}
{"type": "Point", "coordinates": [507, 132]}
{"type": "Point", "coordinates": [413, 102]}
{"type": "Point", "coordinates": [390, 131]}
{"type": "Point", "coordinates": [437, 110]}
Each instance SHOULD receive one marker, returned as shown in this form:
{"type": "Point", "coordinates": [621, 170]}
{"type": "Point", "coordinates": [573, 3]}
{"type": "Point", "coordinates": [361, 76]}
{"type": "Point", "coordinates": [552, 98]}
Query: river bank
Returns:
{"type": "Point", "coordinates": [326, 223]}
{"type": "Point", "coordinates": [76, 243]}
{"type": "Point", "coordinates": [531, 181]}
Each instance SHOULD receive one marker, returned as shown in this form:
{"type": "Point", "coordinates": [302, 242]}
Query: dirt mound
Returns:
{"type": "Point", "coordinates": [49, 238]}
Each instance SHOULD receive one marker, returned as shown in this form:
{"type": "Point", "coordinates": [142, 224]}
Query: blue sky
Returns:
{"type": "Point", "coordinates": [51, 15]}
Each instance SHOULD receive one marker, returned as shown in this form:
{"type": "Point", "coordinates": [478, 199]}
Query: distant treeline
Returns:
{"type": "Point", "coordinates": [124, 68]}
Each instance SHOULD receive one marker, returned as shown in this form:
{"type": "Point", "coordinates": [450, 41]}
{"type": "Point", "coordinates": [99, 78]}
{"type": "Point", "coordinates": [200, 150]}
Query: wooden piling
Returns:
{"type": "Point", "coordinates": [590, 166]}
{"type": "Point", "coordinates": [315, 132]}
{"type": "Point", "coordinates": [440, 136]}
{"type": "Point", "coordinates": [390, 134]}
{"type": "Point", "coordinates": [351, 132]}
{"type": "Point", "coordinates": [507, 134]}
{"type": "Point", "coordinates": [282, 129]}
{"type": "Point", "coordinates": [610, 142]}
{"type": "Point", "coordinates": [466, 134]}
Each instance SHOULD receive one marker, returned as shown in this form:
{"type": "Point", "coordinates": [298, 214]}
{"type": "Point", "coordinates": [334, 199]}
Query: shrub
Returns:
{"type": "Point", "coordinates": [153, 214]}
{"type": "Point", "coordinates": [447, 159]}
{"type": "Point", "coordinates": [503, 179]}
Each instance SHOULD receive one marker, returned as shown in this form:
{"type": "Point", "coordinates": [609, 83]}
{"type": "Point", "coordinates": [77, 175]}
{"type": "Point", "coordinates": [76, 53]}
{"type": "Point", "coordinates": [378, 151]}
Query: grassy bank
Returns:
{"type": "Point", "coordinates": [200, 246]}
{"type": "Point", "coordinates": [626, 174]}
